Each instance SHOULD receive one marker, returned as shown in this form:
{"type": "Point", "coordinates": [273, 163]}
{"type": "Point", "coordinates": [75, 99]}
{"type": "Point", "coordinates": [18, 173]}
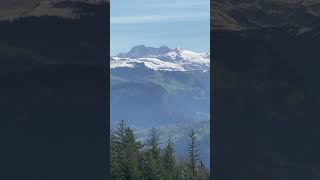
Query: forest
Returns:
{"type": "Point", "coordinates": [131, 159]}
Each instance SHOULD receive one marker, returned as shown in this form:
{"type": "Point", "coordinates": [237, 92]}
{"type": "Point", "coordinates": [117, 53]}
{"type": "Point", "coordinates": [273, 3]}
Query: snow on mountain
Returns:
{"type": "Point", "coordinates": [152, 63]}
{"type": "Point", "coordinates": [162, 59]}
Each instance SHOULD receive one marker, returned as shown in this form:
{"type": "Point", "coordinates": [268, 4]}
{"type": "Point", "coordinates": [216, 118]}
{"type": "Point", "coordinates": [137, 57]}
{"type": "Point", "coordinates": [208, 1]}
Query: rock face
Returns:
{"type": "Point", "coordinates": [266, 93]}
{"type": "Point", "coordinates": [54, 85]}
{"type": "Point", "coordinates": [143, 51]}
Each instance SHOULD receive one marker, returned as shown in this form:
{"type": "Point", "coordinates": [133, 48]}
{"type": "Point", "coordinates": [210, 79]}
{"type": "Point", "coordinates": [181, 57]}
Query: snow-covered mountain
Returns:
{"type": "Point", "coordinates": [172, 83]}
{"type": "Point", "coordinates": [162, 59]}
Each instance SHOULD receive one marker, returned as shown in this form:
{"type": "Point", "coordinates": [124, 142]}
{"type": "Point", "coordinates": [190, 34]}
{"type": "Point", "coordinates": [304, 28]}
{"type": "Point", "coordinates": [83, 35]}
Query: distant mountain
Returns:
{"type": "Point", "coordinates": [162, 58]}
{"type": "Point", "coordinates": [143, 51]}
{"type": "Point", "coordinates": [163, 88]}
{"type": "Point", "coordinates": [176, 81]}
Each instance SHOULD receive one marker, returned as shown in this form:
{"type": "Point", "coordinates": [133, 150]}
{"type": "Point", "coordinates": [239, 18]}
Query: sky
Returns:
{"type": "Point", "coordinates": [183, 23]}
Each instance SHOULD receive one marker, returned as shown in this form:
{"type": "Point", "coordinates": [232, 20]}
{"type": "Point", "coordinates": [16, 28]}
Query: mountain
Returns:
{"type": "Point", "coordinates": [162, 58]}
{"type": "Point", "coordinates": [176, 80]}
{"type": "Point", "coordinates": [163, 88]}
{"type": "Point", "coordinates": [142, 51]}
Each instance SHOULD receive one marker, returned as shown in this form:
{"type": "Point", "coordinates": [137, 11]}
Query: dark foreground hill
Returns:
{"type": "Point", "coordinates": [53, 94]}
{"type": "Point", "coordinates": [267, 94]}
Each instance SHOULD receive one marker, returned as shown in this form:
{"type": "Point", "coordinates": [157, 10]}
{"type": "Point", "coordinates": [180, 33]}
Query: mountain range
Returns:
{"type": "Point", "coordinates": [162, 58]}
{"type": "Point", "coordinates": [160, 78]}
{"type": "Point", "coordinates": [168, 89]}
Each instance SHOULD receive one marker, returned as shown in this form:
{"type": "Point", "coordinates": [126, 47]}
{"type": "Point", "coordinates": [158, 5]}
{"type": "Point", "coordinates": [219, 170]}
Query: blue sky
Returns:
{"type": "Point", "coordinates": [160, 22]}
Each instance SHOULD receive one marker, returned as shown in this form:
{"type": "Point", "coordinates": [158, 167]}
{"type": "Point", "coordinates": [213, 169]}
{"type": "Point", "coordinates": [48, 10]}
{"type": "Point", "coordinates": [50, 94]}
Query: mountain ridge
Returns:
{"type": "Point", "coordinates": [162, 58]}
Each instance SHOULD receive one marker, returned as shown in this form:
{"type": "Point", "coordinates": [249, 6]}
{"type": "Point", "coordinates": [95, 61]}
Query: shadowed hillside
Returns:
{"type": "Point", "coordinates": [266, 92]}
{"type": "Point", "coordinates": [54, 84]}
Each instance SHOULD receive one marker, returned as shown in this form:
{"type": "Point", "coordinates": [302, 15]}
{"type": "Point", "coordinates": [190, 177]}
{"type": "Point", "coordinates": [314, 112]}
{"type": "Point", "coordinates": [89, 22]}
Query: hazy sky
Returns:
{"type": "Point", "coordinates": [160, 22]}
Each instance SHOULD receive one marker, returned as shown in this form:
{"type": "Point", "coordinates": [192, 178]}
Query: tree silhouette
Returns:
{"type": "Point", "coordinates": [153, 157]}
{"type": "Point", "coordinates": [169, 161]}
{"type": "Point", "coordinates": [129, 161]}
{"type": "Point", "coordinates": [192, 163]}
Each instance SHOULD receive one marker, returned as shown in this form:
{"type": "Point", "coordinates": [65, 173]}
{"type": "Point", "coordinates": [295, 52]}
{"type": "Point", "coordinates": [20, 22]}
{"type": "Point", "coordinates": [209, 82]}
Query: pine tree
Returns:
{"type": "Point", "coordinates": [132, 156]}
{"type": "Point", "coordinates": [153, 158]}
{"type": "Point", "coordinates": [114, 164]}
{"type": "Point", "coordinates": [128, 162]}
{"type": "Point", "coordinates": [124, 154]}
{"type": "Point", "coordinates": [169, 162]}
{"type": "Point", "coordinates": [193, 159]}
{"type": "Point", "coordinates": [117, 151]}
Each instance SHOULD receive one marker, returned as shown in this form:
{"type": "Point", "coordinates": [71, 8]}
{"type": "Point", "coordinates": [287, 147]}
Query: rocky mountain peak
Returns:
{"type": "Point", "coordinates": [143, 51]}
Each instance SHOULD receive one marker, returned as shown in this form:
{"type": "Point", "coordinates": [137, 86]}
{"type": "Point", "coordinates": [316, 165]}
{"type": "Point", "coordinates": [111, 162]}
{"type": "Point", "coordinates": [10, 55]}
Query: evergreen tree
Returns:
{"type": "Point", "coordinates": [153, 158]}
{"type": "Point", "coordinates": [193, 159]}
{"type": "Point", "coordinates": [114, 164]}
{"type": "Point", "coordinates": [128, 162]}
{"type": "Point", "coordinates": [132, 156]}
{"type": "Point", "coordinates": [169, 162]}
{"type": "Point", "coordinates": [124, 154]}
{"type": "Point", "coordinates": [117, 151]}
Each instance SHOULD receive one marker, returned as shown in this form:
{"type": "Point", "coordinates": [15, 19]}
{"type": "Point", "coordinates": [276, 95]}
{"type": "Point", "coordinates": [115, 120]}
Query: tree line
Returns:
{"type": "Point", "coordinates": [132, 160]}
